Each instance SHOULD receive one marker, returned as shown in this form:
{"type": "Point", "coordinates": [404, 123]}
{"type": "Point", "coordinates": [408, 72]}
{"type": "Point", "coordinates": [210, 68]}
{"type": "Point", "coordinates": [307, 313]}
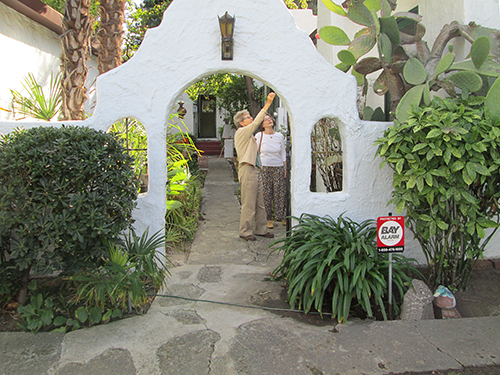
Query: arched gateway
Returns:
{"type": "Point", "coordinates": [268, 46]}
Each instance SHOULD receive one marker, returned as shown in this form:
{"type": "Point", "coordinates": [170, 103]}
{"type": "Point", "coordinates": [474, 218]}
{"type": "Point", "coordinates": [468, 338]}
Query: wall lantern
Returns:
{"type": "Point", "coordinates": [226, 23]}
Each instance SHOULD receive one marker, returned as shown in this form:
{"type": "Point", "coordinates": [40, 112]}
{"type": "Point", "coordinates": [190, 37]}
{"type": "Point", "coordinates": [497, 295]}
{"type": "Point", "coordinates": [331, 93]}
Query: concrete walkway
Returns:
{"type": "Point", "coordinates": [234, 336]}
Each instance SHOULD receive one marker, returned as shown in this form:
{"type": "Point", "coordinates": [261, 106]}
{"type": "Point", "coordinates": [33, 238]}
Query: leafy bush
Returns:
{"type": "Point", "coordinates": [123, 275]}
{"type": "Point", "coordinates": [130, 273]}
{"type": "Point", "coordinates": [446, 161]}
{"type": "Point", "coordinates": [333, 259]}
{"type": "Point", "coordinates": [45, 314]}
{"type": "Point", "coordinates": [63, 191]}
{"type": "Point", "coordinates": [183, 188]}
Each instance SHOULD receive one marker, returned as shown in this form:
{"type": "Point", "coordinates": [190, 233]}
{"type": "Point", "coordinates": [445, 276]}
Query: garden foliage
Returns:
{"type": "Point", "coordinates": [64, 192]}
{"type": "Point", "coordinates": [133, 136]}
{"type": "Point", "coordinates": [446, 160]}
{"type": "Point", "coordinates": [328, 261]}
{"type": "Point", "coordinates": [181, 220]}
{"type": "Point", "coordinates": [183, 187]}
{"type": "Point", "coordinates": [130, 273]}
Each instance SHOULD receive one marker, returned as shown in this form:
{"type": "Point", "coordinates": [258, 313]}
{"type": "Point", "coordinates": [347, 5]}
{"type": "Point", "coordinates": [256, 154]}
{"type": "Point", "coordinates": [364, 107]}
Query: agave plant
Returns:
{"type": "Point", "coordinates": [333, 259]}
{"type": "Point", "coordinates": [37, 104]}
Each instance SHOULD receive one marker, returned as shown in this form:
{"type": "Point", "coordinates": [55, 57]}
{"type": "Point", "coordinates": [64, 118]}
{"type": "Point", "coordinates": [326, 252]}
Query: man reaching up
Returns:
{"type": "Point", "coordinates": [252, 199]}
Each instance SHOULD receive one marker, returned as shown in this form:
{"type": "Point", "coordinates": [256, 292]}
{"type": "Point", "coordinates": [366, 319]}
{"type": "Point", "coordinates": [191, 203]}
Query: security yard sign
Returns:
{"type": "Point", "coordinates": [391, 234]}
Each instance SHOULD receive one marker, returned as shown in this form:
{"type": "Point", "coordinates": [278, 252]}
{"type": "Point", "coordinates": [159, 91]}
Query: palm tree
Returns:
{"type": "Point", "coordinates": [76, 47]}
{"type": "Point", "coordinates": [110, 34]}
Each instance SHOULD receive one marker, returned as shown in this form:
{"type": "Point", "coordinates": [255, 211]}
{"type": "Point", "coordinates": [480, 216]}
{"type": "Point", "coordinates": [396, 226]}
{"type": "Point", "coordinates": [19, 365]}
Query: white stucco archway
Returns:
{"type": "Point", "coordinates": [269, 47]}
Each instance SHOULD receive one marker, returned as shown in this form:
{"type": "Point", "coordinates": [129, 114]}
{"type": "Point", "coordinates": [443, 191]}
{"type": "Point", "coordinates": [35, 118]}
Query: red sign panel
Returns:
{"type": "Point", "coordinates": [391, 234]}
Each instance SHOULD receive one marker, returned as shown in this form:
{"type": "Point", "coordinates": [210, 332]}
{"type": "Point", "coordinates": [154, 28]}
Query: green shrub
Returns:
{"type": "Point", "coordinates": [333, 259]}
{"type": "Point", "coordinates": [446, 163]}
{"type": "Point", "coordinates": [131, 272]}
{"type": "Point", "coordinates": [51, 307]}
{"type": "Point", "coordinates": [63, 191]}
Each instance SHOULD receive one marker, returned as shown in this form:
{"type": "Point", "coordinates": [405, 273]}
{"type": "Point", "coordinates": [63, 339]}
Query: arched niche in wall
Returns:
{"type": "Point", "coordinates": [326, 156]}
{"type": "Point", "coordinates": [135, 140]}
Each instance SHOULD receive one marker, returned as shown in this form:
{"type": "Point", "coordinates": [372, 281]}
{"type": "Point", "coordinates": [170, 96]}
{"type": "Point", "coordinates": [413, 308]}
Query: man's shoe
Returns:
{"type": "Point", "coordinates": [267, 235]}
{"type": "Point", "coordinates": [270, 224]}
{"type": "Point", "coordinates": [248, 238]}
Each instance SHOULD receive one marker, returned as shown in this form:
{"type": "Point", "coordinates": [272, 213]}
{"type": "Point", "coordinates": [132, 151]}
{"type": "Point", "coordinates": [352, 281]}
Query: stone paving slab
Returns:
{"type": "Point", "coordinates": [27, 353]}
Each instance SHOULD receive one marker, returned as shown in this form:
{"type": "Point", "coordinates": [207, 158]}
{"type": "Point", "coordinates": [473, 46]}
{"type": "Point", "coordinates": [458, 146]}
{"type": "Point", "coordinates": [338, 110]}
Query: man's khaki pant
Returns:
{"type": "Point", "coordinates": [252, 201]}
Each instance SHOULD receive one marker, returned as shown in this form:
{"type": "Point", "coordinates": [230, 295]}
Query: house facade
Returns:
{"type": "Point", "coordinates": [270, 48]}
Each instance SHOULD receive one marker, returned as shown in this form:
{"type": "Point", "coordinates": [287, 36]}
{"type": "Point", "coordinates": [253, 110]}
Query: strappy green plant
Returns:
{"type": "Point", "coordinates": [37, 104]}
{"type": "Point", "coordinates": [143, 251]}
{"type": "Point", "coordinates": [333, 259]}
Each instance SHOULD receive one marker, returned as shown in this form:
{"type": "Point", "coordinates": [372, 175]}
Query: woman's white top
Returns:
{"type": "Point", "coordinates": [272, 150]}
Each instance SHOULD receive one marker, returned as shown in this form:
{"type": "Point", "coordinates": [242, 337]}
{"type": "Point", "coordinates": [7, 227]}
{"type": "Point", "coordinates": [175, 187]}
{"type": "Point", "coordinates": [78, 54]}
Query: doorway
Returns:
{"type": "Point", "coordinates": [207, 117]}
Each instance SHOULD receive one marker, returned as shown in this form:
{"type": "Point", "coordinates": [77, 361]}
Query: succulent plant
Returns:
{"type": "Point", "coordinates": [410, 70]}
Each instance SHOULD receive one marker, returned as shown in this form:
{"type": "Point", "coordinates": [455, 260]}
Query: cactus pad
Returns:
{"type": "Point", "coordinates": [444, 64]}
{"type": "Point", "coordinates": [467, 80]}
{"type": "Point", "coordinates": [411, 98]}
{"type": "Point", "coordinates": [414, 72]}
{"type": "Point", "coordinates": [334, 35]}
{"type": "Point", "coordinates": [491, 107]}
{"type": "Point", "coordinates": [362, 43]}
{"type": "Point", "coordinates": [346, 57]}
{"type": "Point", "coordinates": [385, 47]}
{"type": "Point", "coordinates": [389, 26]}
{"type": "Point", "coordinates": [335, 8]}
{"type": "Point", "coordinates": [480, 50]}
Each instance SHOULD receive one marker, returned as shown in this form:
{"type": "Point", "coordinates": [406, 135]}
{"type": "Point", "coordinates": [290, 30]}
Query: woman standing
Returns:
{"type": "Point", "coordinates": [273, 158]}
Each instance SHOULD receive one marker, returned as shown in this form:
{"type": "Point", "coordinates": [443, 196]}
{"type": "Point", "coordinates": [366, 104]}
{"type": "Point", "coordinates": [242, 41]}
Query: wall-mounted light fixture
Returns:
{"type": "Point", "coordinates": [226, 23]}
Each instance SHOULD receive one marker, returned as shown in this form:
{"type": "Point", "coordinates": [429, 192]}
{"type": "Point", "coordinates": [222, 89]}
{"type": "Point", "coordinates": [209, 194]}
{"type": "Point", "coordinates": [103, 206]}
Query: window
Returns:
{"type": "Point", "coordinates": [326, 171]}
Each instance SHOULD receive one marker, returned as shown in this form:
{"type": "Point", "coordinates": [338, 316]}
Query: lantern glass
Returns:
{"type": "Point", "coordinates": [229, 26]}
{"type": "Point", "coordinates": [223, 27]}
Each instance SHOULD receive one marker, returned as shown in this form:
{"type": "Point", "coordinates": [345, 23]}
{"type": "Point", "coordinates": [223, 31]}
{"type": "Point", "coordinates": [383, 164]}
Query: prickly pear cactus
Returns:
{"type": "Point", "coordinates": [414, 72]}
{"type": "Point", "coordinates": [444, 64]}
{"type": "Point", "coordinates": [491, 105]}
{"type": "Point", "coordinates": [467, 81]}
{"type": "Point", "coordinates": [480, 50]}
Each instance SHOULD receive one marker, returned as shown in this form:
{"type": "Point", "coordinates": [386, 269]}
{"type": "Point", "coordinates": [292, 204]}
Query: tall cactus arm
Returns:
{"type": "Point", "coordinates": [447, 33]}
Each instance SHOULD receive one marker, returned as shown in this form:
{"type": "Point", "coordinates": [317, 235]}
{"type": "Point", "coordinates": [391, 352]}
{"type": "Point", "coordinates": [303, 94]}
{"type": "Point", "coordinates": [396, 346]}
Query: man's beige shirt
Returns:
{"type": "Point", "coordinates": [245, 143]}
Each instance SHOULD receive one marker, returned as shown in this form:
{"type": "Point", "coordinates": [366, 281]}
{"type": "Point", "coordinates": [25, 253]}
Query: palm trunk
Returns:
{"type": "Point", "coordinates": [110, 34]}
{"type": "Point", "coordinates": [75, 43]}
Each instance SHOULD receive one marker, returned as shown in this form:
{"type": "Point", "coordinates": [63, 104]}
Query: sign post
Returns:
{"type": "Point", "coordinates": [390, 239]}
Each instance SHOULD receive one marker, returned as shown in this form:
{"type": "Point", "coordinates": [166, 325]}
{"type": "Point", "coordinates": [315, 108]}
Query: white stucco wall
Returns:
{"type": "Point", "coordinates": [269, 47]}
{"type": "Point", "coordinates": [305, 19]}
{"type": "Point", "coordinates": [28, 47]}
